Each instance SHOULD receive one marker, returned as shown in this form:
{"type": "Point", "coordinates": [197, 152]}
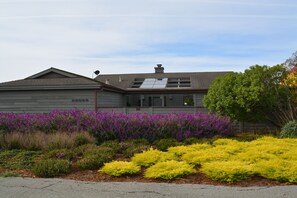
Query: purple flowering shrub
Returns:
{"type": "Point", "coordinates": [107, 126]}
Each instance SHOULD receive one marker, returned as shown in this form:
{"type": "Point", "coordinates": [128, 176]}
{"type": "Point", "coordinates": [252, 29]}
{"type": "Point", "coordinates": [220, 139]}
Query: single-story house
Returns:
{"type": "Point", "coordinates": [157, 92]}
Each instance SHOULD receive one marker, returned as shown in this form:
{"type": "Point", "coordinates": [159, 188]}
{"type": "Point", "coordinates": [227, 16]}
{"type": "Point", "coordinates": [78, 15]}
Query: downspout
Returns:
{"type": "Point", "coordinates": [96, 98]}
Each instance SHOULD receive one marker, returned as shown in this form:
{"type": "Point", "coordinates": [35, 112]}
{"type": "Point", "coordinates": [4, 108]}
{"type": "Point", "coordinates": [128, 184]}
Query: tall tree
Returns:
{"type": "Point", "coordinates": [260, 93]}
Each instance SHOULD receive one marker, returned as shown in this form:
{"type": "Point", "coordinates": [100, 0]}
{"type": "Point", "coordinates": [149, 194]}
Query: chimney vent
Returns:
{"type": "Point", "coordinates": [107, 81]}
{"type": "Point", "coordinates": [159, 69]}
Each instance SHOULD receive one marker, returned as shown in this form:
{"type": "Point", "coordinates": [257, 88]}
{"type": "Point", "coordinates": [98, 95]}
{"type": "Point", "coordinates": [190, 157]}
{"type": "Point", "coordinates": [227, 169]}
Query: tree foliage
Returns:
{"type": "Point", "coordinates": [260, 93]}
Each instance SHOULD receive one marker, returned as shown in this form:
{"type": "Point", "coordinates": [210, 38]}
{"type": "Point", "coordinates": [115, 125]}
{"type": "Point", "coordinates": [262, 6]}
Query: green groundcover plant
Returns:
{"type": "Point", "coordinates": [51, 168]}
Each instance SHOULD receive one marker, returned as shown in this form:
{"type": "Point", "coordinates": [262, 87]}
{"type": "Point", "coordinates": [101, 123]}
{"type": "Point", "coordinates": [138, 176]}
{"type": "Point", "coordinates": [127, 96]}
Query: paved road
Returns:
{"type": "Point", "coordinates": [58, 188]}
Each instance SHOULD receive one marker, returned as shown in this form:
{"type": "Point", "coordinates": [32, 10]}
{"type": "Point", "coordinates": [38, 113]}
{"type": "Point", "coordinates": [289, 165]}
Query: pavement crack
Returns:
{"type": "Point", "coordinates": [150, 192]}
{"type": "Point", "coordinates": [51, 185]}
{"type": "Point", "coordinates": [254, 189]}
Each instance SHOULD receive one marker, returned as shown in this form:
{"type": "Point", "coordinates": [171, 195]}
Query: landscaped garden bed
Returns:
{"type": "Point", "coordinates": [264, 161]}
{"type": "Point", "coordinates": [193, 149]}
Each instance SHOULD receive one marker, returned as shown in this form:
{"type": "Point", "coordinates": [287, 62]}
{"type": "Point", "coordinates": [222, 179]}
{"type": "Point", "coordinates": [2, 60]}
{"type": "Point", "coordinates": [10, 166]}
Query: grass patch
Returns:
{"type": "Point", "coordinates": [44, 141]}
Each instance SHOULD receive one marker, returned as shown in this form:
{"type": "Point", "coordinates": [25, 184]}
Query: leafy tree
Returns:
{"type": "Point", "coordinates": [258, 94]}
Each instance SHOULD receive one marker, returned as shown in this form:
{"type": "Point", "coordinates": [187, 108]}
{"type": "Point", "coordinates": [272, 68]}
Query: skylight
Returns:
{"type": "Point", "coordinates": [179, 82]}
{"type": "Point", "coordinates": [153, 83]}
{"type": "Point", "coordinates": [137, 82]}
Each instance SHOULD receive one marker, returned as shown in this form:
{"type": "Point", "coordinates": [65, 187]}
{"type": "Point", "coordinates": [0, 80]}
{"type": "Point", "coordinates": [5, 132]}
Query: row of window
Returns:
{"type": "Point", "coordinates": [159, 101]}
{"type": "Point", "coordinates": [154, 83]}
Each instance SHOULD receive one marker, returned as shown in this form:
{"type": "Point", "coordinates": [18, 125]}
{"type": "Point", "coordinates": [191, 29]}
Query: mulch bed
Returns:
{"type": "Point", "coordinates": [198, 178]}
{"type": "Point", "coordinates": [94, 176]}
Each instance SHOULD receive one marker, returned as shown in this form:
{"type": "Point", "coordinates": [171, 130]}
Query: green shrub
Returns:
{"type": "Point", "coordinates": [131, 151]}
{"type": "Point", "coordinates": [51, 168]}
{"type": "Point", "coordinates": [112, 144]}
{"type": "Point", "coordinates": [139, 141]}
{"type": "Point", "coordinates": [119, 168]}
{"type": "Point", "coordinates": [91, 162]}
{"type": "Point", "coordinates": [289, 130]}
{"type": "Point", "coordinates": [66, 154]}
{"type": "Point", "coordinates": [18, 159]}
{"type": "Point", "coordinates": [95, 158]}
{"type": "Point", "coordinates": [83, 138]}
{"type": "Point", "coordinates": [81, 150]}
{"type": "Point", "coordinates": [131, 147]}
{"type": "Point", "coordinates": [98, 150]}
{"type": "Point", "coordinates": [3, 128]}
{"type": "Point", "coordinates": [151, 156]}
{"type": "Point", "coordinates": [229, 171]}
{"type": "Point", "coordinates": [164, 144]}
{"type": "Point", "coordinates": [169, 170]}
{"type": "Point", "coordinates": [191, 140]}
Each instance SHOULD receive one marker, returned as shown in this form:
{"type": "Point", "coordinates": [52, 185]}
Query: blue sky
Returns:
{"type": "Point", "coordinates": [132, 36]}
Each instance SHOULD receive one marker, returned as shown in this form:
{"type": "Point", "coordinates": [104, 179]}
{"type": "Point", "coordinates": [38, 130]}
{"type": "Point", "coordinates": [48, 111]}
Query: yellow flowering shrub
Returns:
{"type": "Point", "coordinates": [275, 169]}
{"type": "Point", "coordinates": [181, 150]}
{"type": "Point", "coordinates": [290, 155]}
{"type": "Point", "coordinates": [252, 156]}
{"type": "Point", "coordinates": [229, 171]}
{"type": "Point", "coordinates": [225, 141]}
{"type": "Point", "coordinates": [207, 155]}
{"type": "Point", "coordinates": [151, 156]}
{"type": "Point", "coordinates": [291, 172]}
{"type": "Point", "coordinates": [119, 168]}
{"type": "Point", "coordinates": [225, 160]}
{"type": "Point", "coordinates": [169, 170]}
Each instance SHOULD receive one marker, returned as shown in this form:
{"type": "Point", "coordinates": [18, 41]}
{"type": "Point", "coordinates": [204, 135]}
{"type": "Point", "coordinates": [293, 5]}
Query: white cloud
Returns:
{"type": "Point", "coordinates": [132, 36]}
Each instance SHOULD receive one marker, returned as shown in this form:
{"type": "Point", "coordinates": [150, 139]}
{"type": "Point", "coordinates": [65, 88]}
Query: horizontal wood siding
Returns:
{"type": "Point", "coordinates": [199, 99]}
{"type": "Point", "coordinates": [109, 99]}
{"type": "Point", "coordinates": [45, 101]}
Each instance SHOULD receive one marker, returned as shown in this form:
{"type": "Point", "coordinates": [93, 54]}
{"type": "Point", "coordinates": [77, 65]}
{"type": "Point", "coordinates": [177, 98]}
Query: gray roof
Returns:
{"type": "Point", "coordinates": [199, 80]}
{"type": "Point", "coordinates": [55, 79]}
{"type": "Point", "coordinates": [56, 83]}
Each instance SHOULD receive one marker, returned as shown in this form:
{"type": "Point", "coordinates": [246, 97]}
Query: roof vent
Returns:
{"type": "Point", "coordinates": [159, 69]}
{"type": "Point", "coordinates": [107, 81]}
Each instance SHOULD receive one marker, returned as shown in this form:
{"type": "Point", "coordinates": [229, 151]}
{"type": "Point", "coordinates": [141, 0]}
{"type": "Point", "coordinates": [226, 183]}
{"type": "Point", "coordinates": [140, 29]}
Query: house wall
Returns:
{"type": "Point", "coordinates": [198, 98]}
{"type": "Point", "coordinates": [170, 100]}
{"type": "Point", "coordinates": [109, 99]}
{"type": "Point", "coordinates": [45, 101]}
{"type": "Point", "coordinates": [152, 110]}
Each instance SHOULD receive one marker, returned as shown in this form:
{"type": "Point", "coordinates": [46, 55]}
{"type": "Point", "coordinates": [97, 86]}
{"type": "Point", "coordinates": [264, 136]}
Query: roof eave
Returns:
{"type": "Point", "coordinates": [39, 88]}
{"type": "Point", "coordinates": [180, 90]}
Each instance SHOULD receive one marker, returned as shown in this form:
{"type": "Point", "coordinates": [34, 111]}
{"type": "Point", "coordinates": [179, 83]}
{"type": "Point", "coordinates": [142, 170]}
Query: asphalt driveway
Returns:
{"type": "Point", "coordinates": [59, 188]}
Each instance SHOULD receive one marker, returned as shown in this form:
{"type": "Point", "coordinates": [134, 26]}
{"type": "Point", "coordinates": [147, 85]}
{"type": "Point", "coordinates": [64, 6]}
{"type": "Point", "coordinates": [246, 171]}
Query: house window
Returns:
{"type": "Point", "coordinates": [188, 100]}
{"type": "Point", "coordinates": [178, 82]}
